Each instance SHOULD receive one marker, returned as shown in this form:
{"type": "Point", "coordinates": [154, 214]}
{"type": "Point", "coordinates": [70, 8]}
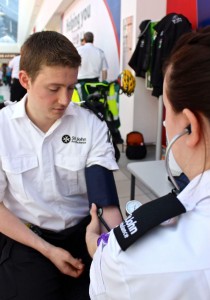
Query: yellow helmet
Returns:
{"type": "Point", "coordinates": [127, 82]}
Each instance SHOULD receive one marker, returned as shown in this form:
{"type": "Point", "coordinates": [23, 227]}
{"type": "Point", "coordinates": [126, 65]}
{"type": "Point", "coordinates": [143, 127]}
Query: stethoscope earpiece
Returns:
{"type": "Point", "coordinates": [187, 130]}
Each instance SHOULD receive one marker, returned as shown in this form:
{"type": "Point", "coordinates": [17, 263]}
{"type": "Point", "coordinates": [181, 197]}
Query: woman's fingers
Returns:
{"type": "Point", "coordinates": [94, 225]}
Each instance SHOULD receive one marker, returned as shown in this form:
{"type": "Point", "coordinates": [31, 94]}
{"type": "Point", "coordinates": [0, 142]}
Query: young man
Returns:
{"type": "Point", "coordinates": [55, 156]}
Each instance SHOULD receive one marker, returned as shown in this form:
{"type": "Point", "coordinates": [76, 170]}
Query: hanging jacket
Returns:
{"type": "Point", "coordinates": [140, 59]}
{"type": "Point", "coordinates": [168, 29]}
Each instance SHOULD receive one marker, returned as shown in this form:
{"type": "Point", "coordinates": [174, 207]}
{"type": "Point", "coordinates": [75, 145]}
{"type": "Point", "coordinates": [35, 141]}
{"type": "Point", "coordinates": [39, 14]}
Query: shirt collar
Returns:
{"type": "Point", "coordinates": [196, 191]}
{"type": "Point", "coordinates": [72, 109]}
{"type": "Point", "coordinates": [20, 111]}
{"type": "Point", "coordinates": [19, 108]}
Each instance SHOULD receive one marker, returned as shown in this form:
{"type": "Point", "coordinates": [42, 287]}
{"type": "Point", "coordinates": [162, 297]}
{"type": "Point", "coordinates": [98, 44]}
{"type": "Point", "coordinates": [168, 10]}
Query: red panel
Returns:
{"type": "Point", "coordinates": [188, 8]}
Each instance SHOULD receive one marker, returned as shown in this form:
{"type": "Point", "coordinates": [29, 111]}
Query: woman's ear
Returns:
{"type": "Point", "coordinates": [24, 79]}
{"type": "Point", "coordinates": [195, 128]}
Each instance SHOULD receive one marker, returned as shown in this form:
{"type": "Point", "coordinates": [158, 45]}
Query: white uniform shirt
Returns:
{"type": "Point", "coordinates": [93, 61]}
{"type": "Point", "coordinates": [169, 263]}
{"type": "Point", "coordinates": [14, 64]}
{"type": "Point", "coordinates": [42, 174]}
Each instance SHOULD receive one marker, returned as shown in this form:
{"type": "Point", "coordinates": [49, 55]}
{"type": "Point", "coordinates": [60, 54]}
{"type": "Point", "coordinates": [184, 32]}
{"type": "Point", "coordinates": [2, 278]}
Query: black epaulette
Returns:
{"type": "Point", "coordinates": [146, 217]}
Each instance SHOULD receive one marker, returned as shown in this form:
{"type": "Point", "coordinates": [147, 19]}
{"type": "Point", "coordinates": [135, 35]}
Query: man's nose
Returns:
{"type": "Point", "coordinates": [64, 98]}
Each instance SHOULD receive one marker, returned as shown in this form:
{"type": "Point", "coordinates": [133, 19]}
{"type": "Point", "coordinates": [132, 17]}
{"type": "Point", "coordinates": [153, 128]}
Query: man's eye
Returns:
{"type": "Point", "coordinates": [70, 88]}
{"type": "Point", "coordinates": [53, 89]}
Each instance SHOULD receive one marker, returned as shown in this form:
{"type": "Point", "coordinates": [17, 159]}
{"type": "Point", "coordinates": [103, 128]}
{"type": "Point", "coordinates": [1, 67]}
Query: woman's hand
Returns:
{"type": "Point", "coordinates": [93, 231]}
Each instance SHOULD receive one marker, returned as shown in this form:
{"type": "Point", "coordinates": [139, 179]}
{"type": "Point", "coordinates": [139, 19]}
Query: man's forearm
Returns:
{"type": "Point", "coordinates": [14, 228]}
{"type": "Point", "coordinates": [112, 216]}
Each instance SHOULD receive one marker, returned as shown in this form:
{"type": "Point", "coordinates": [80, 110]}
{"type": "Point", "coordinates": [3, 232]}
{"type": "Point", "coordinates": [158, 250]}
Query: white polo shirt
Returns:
{"type": "Point", "coordinates": [169, 263]}
{"type": "Point", "coordinates": [42, 174]}
{"type": "Point", "coordinates": [93, 61]}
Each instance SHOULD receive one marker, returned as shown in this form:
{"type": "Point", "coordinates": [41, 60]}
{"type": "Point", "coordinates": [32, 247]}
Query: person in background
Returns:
{"type": "Point", "coordinates": [17, 91]}
{"type": "Point", "coordinates": [55, 160]}
{"type": "Point", "coordinates": [1, 77]}
{"type": "Point", "coordinates": [170, 262]}
{"type": "Point", "coordinates": [8, 75]}
{"type": "Point", "coordinates": [94, 65]}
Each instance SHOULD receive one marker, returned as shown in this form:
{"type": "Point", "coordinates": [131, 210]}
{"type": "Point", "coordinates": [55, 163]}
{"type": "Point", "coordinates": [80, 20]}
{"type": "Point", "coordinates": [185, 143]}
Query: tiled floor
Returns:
{"type": "Point", "coordinates": [122, 176]}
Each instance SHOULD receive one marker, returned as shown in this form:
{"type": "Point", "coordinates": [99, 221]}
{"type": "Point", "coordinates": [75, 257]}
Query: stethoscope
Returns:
{"type": "Point", "coordinates": [187, 130]}
{"type": "Point", "coordinates": [132, 205]}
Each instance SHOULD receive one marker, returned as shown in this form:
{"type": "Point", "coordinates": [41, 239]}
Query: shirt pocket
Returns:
{"type": "Point", "coordinates": [18, 169]}
{"type": "Point", "coordinates": [70, 174]}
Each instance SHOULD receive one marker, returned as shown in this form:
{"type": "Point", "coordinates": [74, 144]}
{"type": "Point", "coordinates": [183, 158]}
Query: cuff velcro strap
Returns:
{"type": "Point", "coordinates": [147, 217]}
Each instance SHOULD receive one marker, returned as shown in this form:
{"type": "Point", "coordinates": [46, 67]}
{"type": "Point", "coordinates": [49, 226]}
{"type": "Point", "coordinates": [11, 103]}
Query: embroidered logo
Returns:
{"type": "Point", "coordinates": [66, 139]}
{"type": "Point", "coordinates": [73, 139]}
{"type": "Point", "coordinates": [130, 222]}
{"type": "Point", "coordinates": [128, 227]}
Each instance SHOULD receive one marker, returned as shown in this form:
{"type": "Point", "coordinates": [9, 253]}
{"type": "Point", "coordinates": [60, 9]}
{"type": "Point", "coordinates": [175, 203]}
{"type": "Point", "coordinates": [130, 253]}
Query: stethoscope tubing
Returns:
{"type": "Point", "coordinates": [174, 139]}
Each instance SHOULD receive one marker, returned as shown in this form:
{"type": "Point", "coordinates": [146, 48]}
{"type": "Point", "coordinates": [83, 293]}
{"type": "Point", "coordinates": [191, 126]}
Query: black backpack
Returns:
{"type": "Point", "coordinates": [135, 148]}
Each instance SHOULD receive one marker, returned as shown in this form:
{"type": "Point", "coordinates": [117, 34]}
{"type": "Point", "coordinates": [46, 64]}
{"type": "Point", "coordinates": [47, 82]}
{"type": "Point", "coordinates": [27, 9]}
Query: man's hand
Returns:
{"type": "Point", "coordinates": [65, 262]}
{"type": "Point", "coordinates": [11, 226]}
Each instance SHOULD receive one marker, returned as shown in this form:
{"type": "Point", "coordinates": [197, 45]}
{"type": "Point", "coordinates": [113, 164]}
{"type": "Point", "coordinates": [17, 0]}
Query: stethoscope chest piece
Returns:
{"type": "Point", "coordinates": [131, 206]}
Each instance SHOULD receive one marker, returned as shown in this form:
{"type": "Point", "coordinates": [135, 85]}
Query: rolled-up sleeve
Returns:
{"type": "Point", "coordinates": [102, 150]}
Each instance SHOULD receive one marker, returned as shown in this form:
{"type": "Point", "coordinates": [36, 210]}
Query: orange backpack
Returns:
{"type": "Point", "coordinates": [135, 148]}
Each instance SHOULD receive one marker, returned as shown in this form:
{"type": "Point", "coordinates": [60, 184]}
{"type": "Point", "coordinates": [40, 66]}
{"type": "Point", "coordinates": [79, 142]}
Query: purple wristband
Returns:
{"type": "Point", "coordinates": [104, 238]}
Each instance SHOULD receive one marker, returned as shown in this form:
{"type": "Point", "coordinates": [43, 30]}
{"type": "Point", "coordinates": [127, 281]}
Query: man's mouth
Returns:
{"type": "Point", "coordinates": [59, 108]}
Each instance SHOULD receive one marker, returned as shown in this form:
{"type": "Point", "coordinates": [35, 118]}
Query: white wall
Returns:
{"type": "Point", "coordinates": [47, 10]}
{"type": "Point", "coordinates": [140, 111]}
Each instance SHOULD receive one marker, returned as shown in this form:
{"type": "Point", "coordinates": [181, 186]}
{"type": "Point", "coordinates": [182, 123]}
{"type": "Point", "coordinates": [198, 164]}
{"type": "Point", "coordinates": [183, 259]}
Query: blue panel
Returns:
{"type": "Point", "coordinates": [115, 9]}
{"type": "Point", "coordinates": [203, 7]}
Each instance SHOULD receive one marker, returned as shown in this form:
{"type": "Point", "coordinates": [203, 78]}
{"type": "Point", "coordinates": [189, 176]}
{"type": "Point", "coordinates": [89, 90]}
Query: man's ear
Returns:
{"type": "Point", "coordinates": [195, 134]}
{"type": "Point", "coordinates": [24, 79]}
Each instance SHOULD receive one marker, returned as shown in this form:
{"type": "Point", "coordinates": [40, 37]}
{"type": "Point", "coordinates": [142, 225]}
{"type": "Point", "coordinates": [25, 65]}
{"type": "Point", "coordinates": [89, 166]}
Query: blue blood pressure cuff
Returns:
{"type": "Point", "coordinates": [147, 217]}
{"type": "Point", "coordinates": [101, 188]}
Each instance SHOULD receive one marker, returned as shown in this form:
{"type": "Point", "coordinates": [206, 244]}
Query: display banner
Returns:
{"type": "Point", "coordinates": [102, 18]}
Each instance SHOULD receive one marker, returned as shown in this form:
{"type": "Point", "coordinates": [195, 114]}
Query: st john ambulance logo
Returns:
{"type": "Point", "coordinates": [73, 139]}
{"type": "Point", "coordinates": [66, 139]}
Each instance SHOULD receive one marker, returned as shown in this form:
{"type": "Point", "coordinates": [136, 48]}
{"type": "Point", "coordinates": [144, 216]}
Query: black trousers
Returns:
{"type": "Point", "coordinates": [16, 90]}
{"type": "Point", "coordinates": [25, 274]}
